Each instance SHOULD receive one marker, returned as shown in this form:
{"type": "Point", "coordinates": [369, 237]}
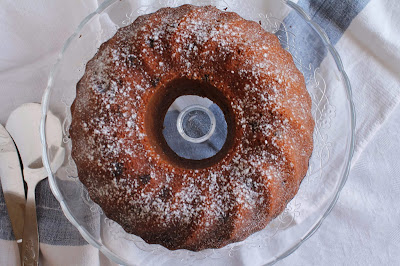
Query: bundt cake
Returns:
{"type": "Point", "coordinates": [128, 168]}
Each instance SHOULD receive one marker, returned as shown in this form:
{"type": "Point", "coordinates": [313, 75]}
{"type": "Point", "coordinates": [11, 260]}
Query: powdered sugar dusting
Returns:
{"type": "Point", "coordinates": [175, 206]}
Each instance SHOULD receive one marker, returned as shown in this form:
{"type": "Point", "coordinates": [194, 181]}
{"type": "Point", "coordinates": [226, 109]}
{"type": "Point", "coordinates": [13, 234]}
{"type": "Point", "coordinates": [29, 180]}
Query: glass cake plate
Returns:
{"type": "Point", "coordinates": [329, 165]}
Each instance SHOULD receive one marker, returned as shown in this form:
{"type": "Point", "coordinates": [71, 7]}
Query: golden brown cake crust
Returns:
{"type": "Point", "coordinates": [122, 158]}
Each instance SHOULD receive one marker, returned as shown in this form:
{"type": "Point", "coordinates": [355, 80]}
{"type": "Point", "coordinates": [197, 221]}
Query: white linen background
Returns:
{"type": "Point", "coordinates": [364, 226]}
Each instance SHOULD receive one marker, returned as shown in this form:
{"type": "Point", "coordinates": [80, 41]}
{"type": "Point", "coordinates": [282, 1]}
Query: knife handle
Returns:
{"type": "Point", "coordinates": [30, 253]}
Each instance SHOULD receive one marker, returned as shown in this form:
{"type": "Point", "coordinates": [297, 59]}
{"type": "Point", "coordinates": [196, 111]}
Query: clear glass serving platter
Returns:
{"type": "Point", "coordinates": [333, 112]}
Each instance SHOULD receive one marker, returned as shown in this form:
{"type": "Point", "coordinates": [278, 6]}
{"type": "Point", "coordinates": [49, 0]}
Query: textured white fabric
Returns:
{"type": "Point", "coordinates": [364, 227]}
{"type": "Point", "coordinates": [67, 255]}
{"type": "Point", "coordinates": [370, 53]}
{"type": "Point", "coordinates": [31, 35]}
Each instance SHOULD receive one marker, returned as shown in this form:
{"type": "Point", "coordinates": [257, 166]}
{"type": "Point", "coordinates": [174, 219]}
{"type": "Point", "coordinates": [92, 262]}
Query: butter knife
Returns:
{"type": "Point", "coordinates": [12, 184]}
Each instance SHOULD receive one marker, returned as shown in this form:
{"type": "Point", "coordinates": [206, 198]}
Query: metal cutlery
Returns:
{"type": "Point", "coordinates": [12, 184]}
{"type": "Point", "coordinates": [23, 125]}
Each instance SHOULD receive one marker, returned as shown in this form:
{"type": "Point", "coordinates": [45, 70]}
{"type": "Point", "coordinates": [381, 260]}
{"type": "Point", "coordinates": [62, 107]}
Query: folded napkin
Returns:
{"type": "Point", "coordinates": [366, 34]}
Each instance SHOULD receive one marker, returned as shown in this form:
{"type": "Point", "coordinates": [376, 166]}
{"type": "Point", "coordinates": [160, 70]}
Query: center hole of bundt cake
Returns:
{"type": "Point", "coordinates": [188, 122]}
{"type": "Point", "coordinates": [195, 123]}
{"type": "Point", "coordinates": [195, 127]}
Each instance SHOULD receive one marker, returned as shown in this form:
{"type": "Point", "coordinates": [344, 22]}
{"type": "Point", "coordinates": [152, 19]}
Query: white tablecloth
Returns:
{"type": "Point", "coordinates": [364, 226]}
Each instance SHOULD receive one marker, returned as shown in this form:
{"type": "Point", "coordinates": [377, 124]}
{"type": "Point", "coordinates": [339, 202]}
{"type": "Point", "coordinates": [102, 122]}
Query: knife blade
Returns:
{"type": "Point", "coordinates": [12, 184]}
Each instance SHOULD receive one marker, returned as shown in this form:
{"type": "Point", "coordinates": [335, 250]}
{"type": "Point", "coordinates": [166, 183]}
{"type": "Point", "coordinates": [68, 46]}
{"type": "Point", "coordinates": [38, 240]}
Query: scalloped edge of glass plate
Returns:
{"type": "Point", "coordinates": [86, 235]}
